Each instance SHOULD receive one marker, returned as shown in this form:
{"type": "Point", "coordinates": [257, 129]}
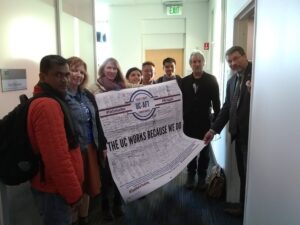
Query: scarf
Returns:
{"type": "Point", "coordinates": [110, 85]}
{"type": "Point", "coordinates": [48, 91]}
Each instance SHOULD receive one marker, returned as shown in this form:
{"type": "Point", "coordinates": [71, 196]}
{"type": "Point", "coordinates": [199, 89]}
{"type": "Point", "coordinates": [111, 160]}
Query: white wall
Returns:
{"type": "Point", "coordinates": [26, 35]}
{"type": "Point", "coordinates": [216, 15]}
{"type": "Point", "coordinates": [273, 184]}
{"type": "Point", "coordinates": [133, 27]}
{"type": "Point", "coordinates": [77, 38]}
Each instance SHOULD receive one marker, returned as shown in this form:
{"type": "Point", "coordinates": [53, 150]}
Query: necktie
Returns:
{"type": "Point", "coordinates": [233, 108]}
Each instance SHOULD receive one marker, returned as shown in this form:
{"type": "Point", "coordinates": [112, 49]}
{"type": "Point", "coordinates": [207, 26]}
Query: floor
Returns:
{"type": "Point", "coordinates": [171, 204]}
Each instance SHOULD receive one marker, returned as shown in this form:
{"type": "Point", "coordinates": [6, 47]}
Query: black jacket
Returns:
{"type": "Point", "coordinates": [242, 110]}
{"type": "Point", "coordinates": [197, 105]}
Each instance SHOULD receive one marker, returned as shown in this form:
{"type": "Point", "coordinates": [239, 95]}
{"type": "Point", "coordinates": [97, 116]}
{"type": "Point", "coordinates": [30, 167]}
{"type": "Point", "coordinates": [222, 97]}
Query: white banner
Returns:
{"type": "Point", "coordinates": [146, 144]}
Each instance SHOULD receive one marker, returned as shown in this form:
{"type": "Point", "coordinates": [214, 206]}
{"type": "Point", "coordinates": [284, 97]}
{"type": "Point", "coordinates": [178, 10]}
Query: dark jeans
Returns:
{"type": "Point", "coordinates": [241, 151]}
{"type": "Point", "coordinates": [52, 208]}
{"type": "Point", "coordinates": [109, 187]}
{"type": "Point", "coordinates": [203, 161]}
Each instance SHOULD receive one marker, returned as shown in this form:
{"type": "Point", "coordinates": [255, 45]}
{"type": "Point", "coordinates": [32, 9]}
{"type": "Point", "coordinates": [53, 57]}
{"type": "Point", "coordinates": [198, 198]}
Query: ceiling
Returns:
{"type": "Point", "coordinates": [82, 8]}
{"type": "Point", "coordinates": [140, 2]}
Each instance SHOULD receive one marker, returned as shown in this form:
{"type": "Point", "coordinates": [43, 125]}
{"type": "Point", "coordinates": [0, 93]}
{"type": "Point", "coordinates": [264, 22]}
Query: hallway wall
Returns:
{"type": "Point", "coordinates": [144, 24]}
{"type": "Point", "coordinates": [26, 35]}
{"type": "Point", "coordinates": [273, 182]}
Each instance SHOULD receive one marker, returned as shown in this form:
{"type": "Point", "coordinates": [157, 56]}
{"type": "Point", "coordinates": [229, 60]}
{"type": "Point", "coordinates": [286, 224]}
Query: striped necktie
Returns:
{"type": "Point", "coordinates": [233, 107]}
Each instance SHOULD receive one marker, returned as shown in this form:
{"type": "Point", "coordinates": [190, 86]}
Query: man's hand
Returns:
{"type": "Point", "coordinates": [104, 154]}
{"type": "Point", "coordinates": [208, 136]}
{"type": "Point", "coordinates": [76, 205]}
{"type": "Point", "coordinates": [248, 85]}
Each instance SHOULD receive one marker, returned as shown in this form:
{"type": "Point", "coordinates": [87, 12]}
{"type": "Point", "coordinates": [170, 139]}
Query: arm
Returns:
{"type": "Point", "coordinates": [215, 98]}
{"type": "Point", "coordinates": [101, 137]}
{"type": "Point", "coordinates": [221, 119]}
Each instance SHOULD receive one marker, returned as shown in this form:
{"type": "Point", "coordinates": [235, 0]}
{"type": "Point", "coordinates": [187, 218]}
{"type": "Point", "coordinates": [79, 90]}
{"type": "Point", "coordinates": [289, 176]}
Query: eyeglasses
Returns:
{"type": "Point", "coordinates": [235, 58]}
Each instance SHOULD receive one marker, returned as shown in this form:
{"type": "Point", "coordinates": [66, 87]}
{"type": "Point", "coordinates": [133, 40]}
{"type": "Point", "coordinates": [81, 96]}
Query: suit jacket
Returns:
{"type": "Point", "coordinates": [197, 105]}
{"type": "Point", "coordinates": [242, 110]}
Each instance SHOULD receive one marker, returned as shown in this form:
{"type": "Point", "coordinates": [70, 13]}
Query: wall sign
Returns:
{"type": "Point", "coordinates": [206, 46]}
{"type": "Point", "coordinates": [174, 10]}
{"type": "Point", "coordinates": [13, 79]}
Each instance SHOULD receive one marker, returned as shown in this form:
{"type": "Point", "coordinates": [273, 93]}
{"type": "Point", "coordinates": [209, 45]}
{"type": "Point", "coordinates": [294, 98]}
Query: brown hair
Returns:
{"type": "Point", "coordinates": [233, 49]}
{"type": "Point", "coordinates": [169, 60]}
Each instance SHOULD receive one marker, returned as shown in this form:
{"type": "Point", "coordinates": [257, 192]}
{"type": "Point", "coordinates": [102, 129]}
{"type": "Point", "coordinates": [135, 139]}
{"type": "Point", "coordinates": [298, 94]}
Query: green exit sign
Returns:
{"type": "Point", "coordinates": [174, 10]}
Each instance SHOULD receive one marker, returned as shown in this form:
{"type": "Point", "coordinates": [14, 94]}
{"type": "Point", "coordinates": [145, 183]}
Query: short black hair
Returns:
{"type": "Point", "coordinates": [169, 60]}
{"type": "Point", "coordinates": [132, 69]}
{"type": "Point", "coordinates": [148, 63]}
{"type": "Point", "coordinates": [48, 61]}
{"type": "Point", "coordinates": [233, 49]}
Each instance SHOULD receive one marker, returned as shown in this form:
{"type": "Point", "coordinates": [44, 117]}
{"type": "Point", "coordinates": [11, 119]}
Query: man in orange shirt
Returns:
{"type": "Point", "coordinates": [57, 187]}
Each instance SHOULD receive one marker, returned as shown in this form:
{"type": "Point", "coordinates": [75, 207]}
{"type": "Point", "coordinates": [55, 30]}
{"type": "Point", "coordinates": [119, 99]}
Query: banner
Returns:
{"type": "Point", "coordinates": [145, 141]}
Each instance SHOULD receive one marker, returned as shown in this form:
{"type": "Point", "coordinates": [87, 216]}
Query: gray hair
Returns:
{"type": "Point", "coordinates": [198, 54]}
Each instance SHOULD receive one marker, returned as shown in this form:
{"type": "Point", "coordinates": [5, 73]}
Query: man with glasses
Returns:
{"type": "Point", "coordinates": [236, 110]}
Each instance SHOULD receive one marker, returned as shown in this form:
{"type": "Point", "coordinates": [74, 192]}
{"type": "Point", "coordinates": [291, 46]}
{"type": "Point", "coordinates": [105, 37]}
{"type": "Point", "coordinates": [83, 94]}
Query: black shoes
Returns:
{"type": "Point", "coordinates": [107, 215]}
{"type": "Point", "coordinates": [81, 221]}
{"type": "Point", "coordinates": [116, 212]}
{"type": "Point", "coordinates": [201, 185]}
{"type": "Point", "coordinates": [190, 182]}
{"type": "Point", "coordinates": [234, 211]}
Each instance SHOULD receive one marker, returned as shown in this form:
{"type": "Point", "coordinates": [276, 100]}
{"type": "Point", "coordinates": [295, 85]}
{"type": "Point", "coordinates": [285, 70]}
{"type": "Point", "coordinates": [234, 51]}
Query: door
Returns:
{"type": "Point", "coordinates": [158, 55]}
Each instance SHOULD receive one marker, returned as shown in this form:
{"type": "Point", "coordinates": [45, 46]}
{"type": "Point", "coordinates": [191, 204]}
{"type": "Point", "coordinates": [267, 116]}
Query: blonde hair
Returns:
{"type": "Point", "coordinates": [119, 77]}
{"type": "Point", "coordinates": [76, 62]}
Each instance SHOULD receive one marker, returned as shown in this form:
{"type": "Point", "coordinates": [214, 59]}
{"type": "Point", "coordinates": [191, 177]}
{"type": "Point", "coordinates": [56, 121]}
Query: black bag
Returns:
{"type": "Point", "coordinates": [216, 183]}
{"type": "Point", "coordinates": [18, 162]}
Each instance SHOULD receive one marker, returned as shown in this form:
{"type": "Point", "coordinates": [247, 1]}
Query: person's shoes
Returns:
{"type": "Point", "coordinates": [118, 211]}
{"type": "Point", "coordinates": [107, 215]}
{"type": "Point", "coordinates": [83, 220]}
{"type": "Point", "coordinates": [201, 185]}
{"type": "Point", "coordinates": [190, 182]}
{"type": "Point", "coordinates": [238, 212]}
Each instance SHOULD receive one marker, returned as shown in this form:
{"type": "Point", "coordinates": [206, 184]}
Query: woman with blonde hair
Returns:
{"type": "Point", "coordinates": [110, 79]}
{"type": "Point", "coordinates": [92, 141]}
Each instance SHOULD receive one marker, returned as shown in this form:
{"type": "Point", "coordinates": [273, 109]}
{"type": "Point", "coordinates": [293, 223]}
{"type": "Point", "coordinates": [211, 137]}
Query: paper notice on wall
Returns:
{"type": "Point", "coordinates": [146, 144]}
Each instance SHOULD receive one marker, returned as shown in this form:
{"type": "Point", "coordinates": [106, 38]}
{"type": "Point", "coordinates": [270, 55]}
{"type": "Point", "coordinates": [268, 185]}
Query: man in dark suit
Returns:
{"type": "Point", "coordinates": [236, 110]}
{"type": "Point", "coordinates": [200, 93]}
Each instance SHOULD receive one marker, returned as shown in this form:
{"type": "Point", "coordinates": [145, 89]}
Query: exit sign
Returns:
{"type": "Point", "coordinates": [174, 10]}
